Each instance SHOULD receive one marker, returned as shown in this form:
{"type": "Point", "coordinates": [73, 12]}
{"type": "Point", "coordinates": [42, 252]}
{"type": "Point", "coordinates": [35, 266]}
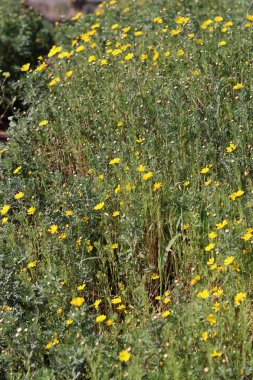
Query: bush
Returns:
{"type": "Point", "coordinates": [24, 35]}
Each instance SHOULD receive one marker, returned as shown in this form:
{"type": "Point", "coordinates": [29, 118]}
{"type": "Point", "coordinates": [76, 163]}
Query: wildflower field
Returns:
{"type": "Point", "coordinates": [126, 195]}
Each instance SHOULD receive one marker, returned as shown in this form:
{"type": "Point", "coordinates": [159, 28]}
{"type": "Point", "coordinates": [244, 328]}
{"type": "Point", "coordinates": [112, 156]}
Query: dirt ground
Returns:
{"type": "Point", "coordinates": [57, 9]}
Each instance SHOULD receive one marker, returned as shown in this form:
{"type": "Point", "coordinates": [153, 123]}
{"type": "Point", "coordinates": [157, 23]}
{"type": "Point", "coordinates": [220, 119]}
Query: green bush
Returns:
{"type": "Point", "coordinates": [24, 35]}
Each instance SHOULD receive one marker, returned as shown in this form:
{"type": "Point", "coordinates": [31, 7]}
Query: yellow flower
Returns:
{"type": "Point", "coordinates": [155, 55]}
{"type": "Point", "coordinates": [154, 276]}
{"type": "Point", "coordinates": [100, 318]}
{"type": "Point", "coordinates": [53, 229]}
{"type": "Point", "coordinates": [41, 67]}
{"type": "Point", "coordinates": [143, 57]}
{"type": "Point", "coordinates": [216, 354]}
{"type": "Point", "coordinates": [247, 236]}
{"type": "Point", "coordinates": [81, 287]}
{"type": "Point", "coordinates": [17, 170]}
{"type": "Point", "coordinates": [115, 26]}
{"type": "Point", "coordinates": [138, 33]}
{"type": "Point", "coordinates": [231, 148]}
{"type": "Point", "coordinates": [109, 322]}
{"type": "Point", "coordinates": [19, 195]}
{"type": "Point", "coordinates": [216, 307]}
{"type": "Point", "coordinates": [249, 17]}
{"type": "Point", "coordinates": [79, 49]}
{"type": "Point", "coordinates": [25, 67]}
{"type": "Point", "coordinates": [210, 261]}
{"type": "Point", "coordinates": [235, 195]}
{"type": "Point", "coordinates": [115, 246]}
{"type": "Point", "coordinates": [208, 182]}
{"type": "Point", "coordinates": [92, 58]}
{"type": "Point", "coordinates": [129, 56]}
{"type": "Point", "coordinates": [211, 319]}
{"type": "Point", "coordinates": [117, 300]}
{"type": "Point", "coordinates": [229, 260]}
{"type": "Point", "coordinates": [52, 343]}
{"type": "Point", "coordinates": [180, 52]}
{"type": "Point", "coordinates": [54, 81]}
{"type": "Point", "coordinates": [103, 62]}
{"type": "Point", "coordinates": [222, 43]}
{"type": "Point", "coordinates": [99, 206]}
{"type": "Point", "coordinates": [166, 313]}
{"type": "Point", "coordinates": [205, 170]}
{"type": "Point", "coordinates": [238, 86]}
{"type": "Point", "coordinates": [217, 292]}
{"type": "Point", "coordinates": [157, 186]}
{"type": "Point", "coordinates": [5, 209]}
{"type": "Point", "coordinates": [32, 264]}
{"type": "Point", "coordinates": [181, 20]}
{"type": "Point", "coordinates": [77, 16]}
{"type": "Point", "coordinates": [69, 74]}
{"type": "Point", "coordinates": [212, 235]}
{"type": "Point", "coordinates": [239, 298]}
{"type": "Point", "coordinates": [218, 19]}
{"type": "Point", "coordinates": [69, 322]}
{"type": "Point", "coordinates": [206, 23]}
{"type": "Point", "coordinates": [114, 161]}
{"type": "Point", "coordinates": [4, 221]}
{"type": "Point", "coordinates": [43, 123]}
{"type": "Point", "coordinates": [77, 301]}
{"type": "Point", "coordinates": [204, 294]}
{"type": "Point", "coordinates": [97, 303]}
{"type": "Point", "coordinates": [204, 336]}
{"type": "Point", "coordinates": [221, 225]}
{"type": "Point", "coordinates": [167, 53]}
{"type": "Point", "coordinates": [228, 24]}
{"type": "Point", "coordinates": [124, 356]}
{"type": "Point", "coordinates": [121, 307]}
{"type": "Point", "coordinates": [209, 247]}
{"type": "Point", "coordinates": [54, 50]}
{"type": "Point", "coordinates": [175, 32]}
{"type": "Point", "coordinates": [115, 213]}
{"type": "Point", "coordinates": [146, 176]}
{"type": "Point", "coordinates": [31, 210]}
{"type": "Point", "coordinates": [195, 280]}
{"type": "Point", "coordinates": [157, 20]}
{"type": "Point", "coordinates": [68, 212]}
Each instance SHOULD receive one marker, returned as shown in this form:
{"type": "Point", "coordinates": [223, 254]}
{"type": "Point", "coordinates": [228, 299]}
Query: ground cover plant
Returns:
{"type": "Point", "coordinates": [126, 198]}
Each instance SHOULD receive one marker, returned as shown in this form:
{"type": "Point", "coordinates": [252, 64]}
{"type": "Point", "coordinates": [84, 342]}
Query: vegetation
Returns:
{"type": "Point", "coordinates": [24, 36]}
{"type": "Point", "coordinates": [126, 199]}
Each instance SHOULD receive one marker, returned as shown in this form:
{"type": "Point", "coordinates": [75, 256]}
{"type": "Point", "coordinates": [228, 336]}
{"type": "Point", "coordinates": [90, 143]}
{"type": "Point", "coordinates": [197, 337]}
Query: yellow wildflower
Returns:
{"type": "Point", "coordinates": [99, 206]}
{"type": "Point", "coordinates": [5, 209]}
{"type": "Point", "coordinates": [146, 176]}
{"type": "Point", "coordinates": [229, 260]}
{"type": "Point", "coordinates": [53, 229]}
{"type": "Point", "coordinates": [239, 298]}
{"type": "Point", "coordinates": [25, 67]}
{"type": "Point", "coordinates": [116, 300]}
{"type": "Point", "coordinates": [31, 210]}
{"type": "Point", "coordinates": [124, 356]}
{"type": "Point", "coordinates": [209, 247]}
{"type": "Point", "coordinates": [204, 294]}
{"type": "Point", "coordinates": [236, 195]}
{"type": "Point", "coordinates": [100, 318]}
{"type": "Point", "coordinates": [77, 301]}
{"type": "Point", "coordinates": [19, 195]}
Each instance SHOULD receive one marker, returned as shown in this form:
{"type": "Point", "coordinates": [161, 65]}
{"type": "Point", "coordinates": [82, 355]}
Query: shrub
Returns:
{"type": "Point", "coordinates": [24, 35]}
